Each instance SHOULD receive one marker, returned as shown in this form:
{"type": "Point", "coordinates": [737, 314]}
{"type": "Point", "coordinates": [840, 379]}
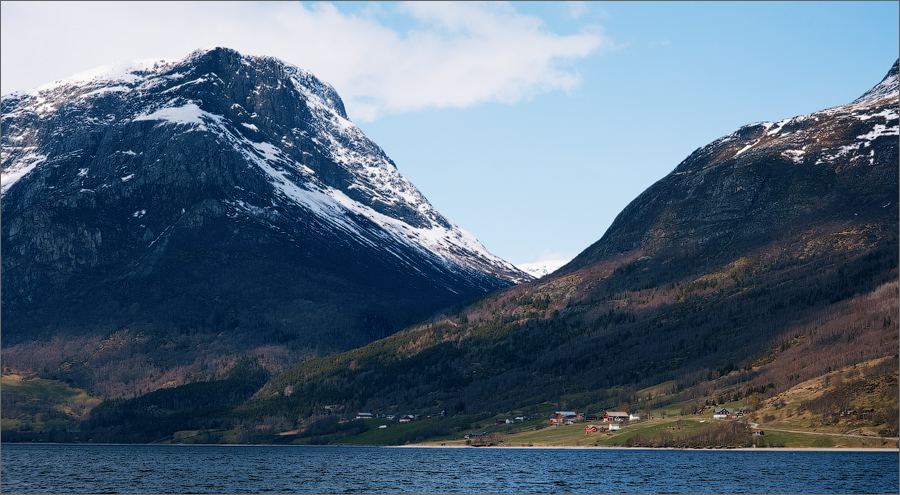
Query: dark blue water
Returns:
{"type": "Point", "coordinates": [29, 468]}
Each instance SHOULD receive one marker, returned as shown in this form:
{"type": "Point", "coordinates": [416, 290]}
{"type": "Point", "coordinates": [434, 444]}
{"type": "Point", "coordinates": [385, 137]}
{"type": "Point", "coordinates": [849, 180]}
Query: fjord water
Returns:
{"type": "Point", "coordinates": [38, 468]}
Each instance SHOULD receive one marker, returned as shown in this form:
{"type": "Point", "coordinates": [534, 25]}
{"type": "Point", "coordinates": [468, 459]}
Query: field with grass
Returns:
{"type": "Point", "coordinates": [575, 436]}
{"type": "Point", "coordinates": [392, 433]}
{"type": "Point", "coordinates": [787, 420]}
{"type": "Point", "coordinates": [39, 409]}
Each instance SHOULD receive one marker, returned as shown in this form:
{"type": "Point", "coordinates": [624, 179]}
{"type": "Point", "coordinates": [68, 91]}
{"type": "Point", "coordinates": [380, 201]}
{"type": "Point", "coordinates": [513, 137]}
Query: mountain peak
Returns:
{"type": "Point", "coordinates": [744, 187]}
{"type": "Point", "coordinates": [242, 171]}
{"type": "Point", "coordinates": [285, 114]}
{"type": "Point", "coordinates": [886, 88]}
{"type": "Point", "coordinates": [228, 60]}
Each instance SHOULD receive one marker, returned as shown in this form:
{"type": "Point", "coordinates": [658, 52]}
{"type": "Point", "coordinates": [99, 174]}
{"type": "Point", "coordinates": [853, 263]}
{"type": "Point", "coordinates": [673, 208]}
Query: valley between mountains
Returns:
{"type": "Point", "coordinates": [207, 250]}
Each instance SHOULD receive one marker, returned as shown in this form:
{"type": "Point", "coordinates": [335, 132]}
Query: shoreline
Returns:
{"type": "Point", "coordinates": [545, 447]}
{"type": "Point", "coordinates": [596, 447]}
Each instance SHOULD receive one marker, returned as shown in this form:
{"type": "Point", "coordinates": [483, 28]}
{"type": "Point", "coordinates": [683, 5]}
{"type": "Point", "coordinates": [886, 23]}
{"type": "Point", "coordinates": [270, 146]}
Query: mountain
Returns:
{"type": "Point", "coordinates": [766, 181]}
{"type": "Point", "coordinates": [540, 268]}
{"type": "Point", "coordinates": [171, 212]}
{"type": "Point", "coordinates": [766, 258]}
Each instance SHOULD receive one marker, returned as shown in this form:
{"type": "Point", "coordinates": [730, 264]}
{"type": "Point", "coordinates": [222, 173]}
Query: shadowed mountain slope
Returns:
{"type": "Point", "coordinates": [216, 205]}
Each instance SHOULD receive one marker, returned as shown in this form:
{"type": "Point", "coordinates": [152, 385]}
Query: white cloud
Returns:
{"type": "Point", "coordinates": [451, 55]}
{"type": "Point", "coordinates": [574, 10]}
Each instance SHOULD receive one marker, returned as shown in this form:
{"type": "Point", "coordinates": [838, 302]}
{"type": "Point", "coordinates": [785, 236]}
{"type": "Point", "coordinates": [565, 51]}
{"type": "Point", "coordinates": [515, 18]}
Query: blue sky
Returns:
{"type": "Point", "coordinates": [531, 125]}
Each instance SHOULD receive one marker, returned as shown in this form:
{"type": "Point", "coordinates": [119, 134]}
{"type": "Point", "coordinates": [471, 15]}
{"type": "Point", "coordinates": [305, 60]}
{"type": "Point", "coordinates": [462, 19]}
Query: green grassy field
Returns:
{"type": "Point", "coordinates": [575, 436]}
{"type": "Point", "coordinates": [40, 405]}
{"type": "Point", "coordinates": [39, 388]}
{"type": "Point", "coordinates": [392, 434]}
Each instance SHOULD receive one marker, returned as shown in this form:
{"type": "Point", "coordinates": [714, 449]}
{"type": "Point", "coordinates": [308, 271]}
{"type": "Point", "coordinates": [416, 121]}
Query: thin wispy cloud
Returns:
{"type": "Point", "coordinates": [574, 10]}
{"type": "Point", "coordinates": [447, 55]}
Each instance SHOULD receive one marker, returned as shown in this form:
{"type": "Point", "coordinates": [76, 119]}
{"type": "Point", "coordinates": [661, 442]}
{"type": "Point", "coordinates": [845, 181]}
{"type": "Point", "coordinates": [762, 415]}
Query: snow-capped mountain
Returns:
{"type": "Point", "coordinates": [366, 182]}
{"type": "Point", "coordinates": [209, 178]}
{"type": "Point", "coordinates": [540, 268]}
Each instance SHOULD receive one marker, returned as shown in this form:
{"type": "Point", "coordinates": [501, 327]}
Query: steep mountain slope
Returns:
{"type": "Point", "coordinates": [212, 205]}
{"type": "Point", "coordinates": [766, 258]}
{"type": "Point", "coordinates": [765, 181]}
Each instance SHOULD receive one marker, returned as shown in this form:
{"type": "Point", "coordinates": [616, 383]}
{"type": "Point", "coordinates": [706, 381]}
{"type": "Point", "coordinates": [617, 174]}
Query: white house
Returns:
{"type": "Point", "coordinates": [722, 413]}
{"type": "Point", "coordinates": [634, 417]}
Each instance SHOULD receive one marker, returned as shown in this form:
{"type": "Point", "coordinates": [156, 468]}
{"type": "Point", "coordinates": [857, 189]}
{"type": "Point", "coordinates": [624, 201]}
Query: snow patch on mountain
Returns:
{"type": "Point", "coordinates": [19, 169]}
{"type": "Point", "coordinates": [540, 268]}
{"type": "Point", "coordinates": [788, 133]}
{"type": "Point", "coordinates": [372, 187]}
{"type": "Point", "coordinates": [125, 72]}
{"type": "Point", "coordinates": [189, 114]}
{"type": "Point", "coordinates": [885, 89]}
{"type": "Point", "coordinates": [451, 242]}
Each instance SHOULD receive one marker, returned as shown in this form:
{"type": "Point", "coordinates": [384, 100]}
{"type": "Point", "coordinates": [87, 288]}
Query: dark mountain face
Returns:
{"type": "Point", "coordinates": [766, 181]}
{"type": "Point", "coordinates": [766, 258]}
{"type": "Point", "coordinates": [222, 202]}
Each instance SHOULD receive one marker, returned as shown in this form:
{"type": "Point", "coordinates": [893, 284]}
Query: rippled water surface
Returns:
{"type": "Point", "coordinates": [29, 468]}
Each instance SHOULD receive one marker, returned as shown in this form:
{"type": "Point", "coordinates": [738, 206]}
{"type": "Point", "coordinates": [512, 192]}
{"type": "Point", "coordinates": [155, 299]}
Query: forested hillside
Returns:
{"type": "Point", "coordinates": [602, 333]}
{"type": "Point", "coordinates": [766, 258]}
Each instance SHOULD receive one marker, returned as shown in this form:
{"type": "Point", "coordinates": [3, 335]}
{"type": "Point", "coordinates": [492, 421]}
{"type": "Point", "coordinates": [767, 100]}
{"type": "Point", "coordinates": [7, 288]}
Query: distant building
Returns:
{"type": "Point", "coordinates": [364, 415]}
{"type": "Point", "coordinates": [611, 416]}
{"type": "Point", "coordinates": [595, 428]}
{"type": "Point", "coordinates": [564, 417]}
{"type": "Point", "coordinates": [722, 413]}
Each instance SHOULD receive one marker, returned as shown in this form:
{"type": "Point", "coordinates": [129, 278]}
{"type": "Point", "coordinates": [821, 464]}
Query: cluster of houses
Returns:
{"type": "Point", "coordinates": [517, 419]}
{"type": "Point", "coordinates": [722, 413]}
{"type": "Point", "coordinates": [596, 429]}
{"type": "Point", "coordinates": [402, 418]}
{"type": "Point", "coordinates": [854, 414]}
{"type": "Point", "coordinates": [559, 418]}
{"type": "Point", "coordinates": [572, 417]}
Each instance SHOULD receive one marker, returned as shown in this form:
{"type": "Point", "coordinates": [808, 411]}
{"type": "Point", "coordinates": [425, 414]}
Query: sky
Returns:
{"type": "Point", "coordinates": [529, 124]}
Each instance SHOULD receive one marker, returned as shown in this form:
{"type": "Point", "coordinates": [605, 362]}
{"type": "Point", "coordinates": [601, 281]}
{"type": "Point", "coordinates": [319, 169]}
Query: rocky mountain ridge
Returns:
{"type": "Point", "coordinates": [336, 166]}
{"type": "Point", "coordinates": [221, 202]}
{"type": "Point", "coordinates": [741, 188]}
